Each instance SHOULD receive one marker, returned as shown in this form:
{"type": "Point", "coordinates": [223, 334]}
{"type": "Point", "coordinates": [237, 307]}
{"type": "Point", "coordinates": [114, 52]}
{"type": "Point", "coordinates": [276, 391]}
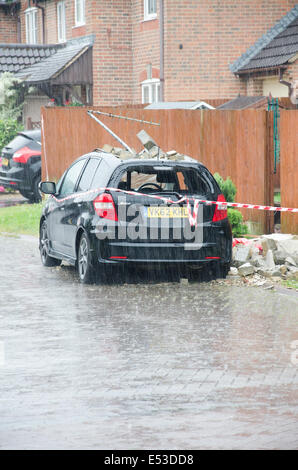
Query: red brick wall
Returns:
{"type": "Point", "coordinates": [112, 51]}
{"type": "Point", "coordinates": [72, 31]}
{"type": "Point", "coordinates": [145, 44]}
{"type": "Point", "coordinates": [8, 27]}
{"type": "Point", "coordinates": [51, 32]}
{"type": "Point", "coordinates": [202, 37]}
{"type": "Point", "coordinates": [291, 73]}
{"type": "Point", "coordinates": [110, 21]}
{"type": "Point", "coordinates": [213, 33]}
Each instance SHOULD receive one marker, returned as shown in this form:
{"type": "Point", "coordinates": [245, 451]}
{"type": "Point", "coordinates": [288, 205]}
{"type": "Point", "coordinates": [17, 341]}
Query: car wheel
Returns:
{"type": "Point", "coordinates": [85, 264]}
{"type": "Point", "coordinates": [25, 194]}
{"type": "Point", "coordinates": [195, 274]}
{"type": "Point", "coordinates": [46, 260]}
{"type": "Point", "coordinates": [220, 271]}
{"type": "Point", "coordinates": [224, 269]}
{"type": "Point", "coordinates": [36, 195]}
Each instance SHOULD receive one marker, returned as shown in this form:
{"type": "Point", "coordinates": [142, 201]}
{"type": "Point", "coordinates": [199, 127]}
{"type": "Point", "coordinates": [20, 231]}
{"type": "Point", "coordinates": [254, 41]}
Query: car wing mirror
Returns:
{"type": "Point", "coordinates": [47, 187]}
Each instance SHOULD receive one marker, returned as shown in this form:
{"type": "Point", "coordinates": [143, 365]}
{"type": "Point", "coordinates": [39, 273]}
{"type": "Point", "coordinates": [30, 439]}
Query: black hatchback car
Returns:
{"type": "Point", "coordinates": [21, 164]}
{"type": "Point", "coordinates": [107, 212]}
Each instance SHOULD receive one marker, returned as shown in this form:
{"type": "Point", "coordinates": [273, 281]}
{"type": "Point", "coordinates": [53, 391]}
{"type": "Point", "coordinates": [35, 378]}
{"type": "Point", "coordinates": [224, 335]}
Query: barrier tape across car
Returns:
{"type": "Point", "coordinates": [192, 216]}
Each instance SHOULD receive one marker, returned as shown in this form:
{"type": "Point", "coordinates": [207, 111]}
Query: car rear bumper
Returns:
{"type": "Point", "coordinates": [216, 246]}
{"type": "Point", "coordinates": [13, 178]}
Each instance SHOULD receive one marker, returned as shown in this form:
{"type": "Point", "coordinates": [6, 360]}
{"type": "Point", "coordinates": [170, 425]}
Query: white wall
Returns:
{"type": "Point", "coordinates": [277, 89]}
{"type": "Point", "coordinates": [32, 105]}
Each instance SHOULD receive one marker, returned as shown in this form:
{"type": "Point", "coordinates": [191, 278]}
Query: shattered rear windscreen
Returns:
{"type": "Point", "coordinates": [151, 180]}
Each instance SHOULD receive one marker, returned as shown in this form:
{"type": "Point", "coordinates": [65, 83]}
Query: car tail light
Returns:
{"type": "Point", "coordinates": [23, 155]}
{"type": "Point", "coordinates": [220, 212]}
{"type": "Point", "coordinates": [104, 207]}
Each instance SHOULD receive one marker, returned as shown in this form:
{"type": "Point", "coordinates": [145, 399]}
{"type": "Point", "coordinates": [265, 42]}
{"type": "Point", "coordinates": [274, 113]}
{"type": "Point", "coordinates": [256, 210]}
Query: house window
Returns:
{"type": "Point", "coordinates": [150, 10]}
{"type": "Point", "coordinates": [79, 12]}
{"type": "Point", "coordinates": [151, 91]}
{"type": "Point", "coordinates": [61, 22]}
{"type": "Point", "coordinates": [31, 25]}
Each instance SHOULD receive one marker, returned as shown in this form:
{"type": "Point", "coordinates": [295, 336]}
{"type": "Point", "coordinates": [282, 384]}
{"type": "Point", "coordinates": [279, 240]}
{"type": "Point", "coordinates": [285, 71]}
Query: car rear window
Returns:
{"type": "Point", "coordinates": [167, 179]}
{"type": "Point", "coordinates": [18, 142]}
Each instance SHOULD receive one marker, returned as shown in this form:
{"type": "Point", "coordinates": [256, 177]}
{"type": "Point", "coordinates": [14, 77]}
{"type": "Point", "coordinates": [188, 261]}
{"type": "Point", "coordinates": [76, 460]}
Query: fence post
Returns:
{"type": "Point", "coordinates": [269, 172]}
{"type": "Point", "coordinates": [29, 125]}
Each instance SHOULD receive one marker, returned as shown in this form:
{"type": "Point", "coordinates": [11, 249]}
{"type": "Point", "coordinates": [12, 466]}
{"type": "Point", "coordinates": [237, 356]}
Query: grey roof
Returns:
{"type": "Point", "coordinates": [14, 57]}
{"type": "Point", "coordinates": [8, 2]}
{"type": "Point", "coordinates": [53, 64]}
{"type": "Point", "coordinates": [37, 63]}
{"type": "Point", "coordinates": [242, 102]}
{"type": "Point", "coordinates": [274, 49]}
{"type": "Point", "coordinates": [179, 105]}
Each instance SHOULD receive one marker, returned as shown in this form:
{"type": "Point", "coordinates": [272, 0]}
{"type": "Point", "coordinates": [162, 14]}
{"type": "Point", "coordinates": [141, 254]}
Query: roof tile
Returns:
{"type": "Point", "coordinates": [273, 49]}
{"type": "Point", "coordinates": [40, 62]}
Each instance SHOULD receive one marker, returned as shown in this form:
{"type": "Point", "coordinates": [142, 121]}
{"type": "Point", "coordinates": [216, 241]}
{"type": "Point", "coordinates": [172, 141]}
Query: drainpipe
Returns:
{"type": "Point", "coordinates": [161, 45]}
{"type": "Point", "coordinates": [43, 20]}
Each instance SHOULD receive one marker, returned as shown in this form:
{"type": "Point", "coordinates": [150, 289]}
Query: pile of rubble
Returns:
{"type": "Point", "coordinates": [151, 150]}
{"type": "Point", "coordinates": [154, 152]}
{"type": "Point", "coordinates": [271, 257]}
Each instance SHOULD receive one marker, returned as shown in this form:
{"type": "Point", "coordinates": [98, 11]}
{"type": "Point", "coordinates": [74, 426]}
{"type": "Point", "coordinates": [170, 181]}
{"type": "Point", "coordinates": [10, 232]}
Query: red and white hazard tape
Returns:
{"type": "Point", "coordinates": [192, 213]}
{"type": "Point", "coordinates": [252, 206]}
{"type": "Point", "coordinates": [183, 199]}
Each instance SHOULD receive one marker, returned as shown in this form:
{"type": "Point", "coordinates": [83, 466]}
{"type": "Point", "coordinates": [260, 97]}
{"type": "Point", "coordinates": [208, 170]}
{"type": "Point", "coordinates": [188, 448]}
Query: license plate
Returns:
{"type": "Point", "coordinates": [166, 212]}
{"type": "Point", "coordinates": [4, 162]}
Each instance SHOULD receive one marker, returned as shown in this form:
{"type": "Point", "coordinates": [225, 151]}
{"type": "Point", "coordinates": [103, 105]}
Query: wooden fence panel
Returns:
{"type": "Point", "coordinates": [233, 143]}
{"type": "Point", "coordinates": [289, 169]}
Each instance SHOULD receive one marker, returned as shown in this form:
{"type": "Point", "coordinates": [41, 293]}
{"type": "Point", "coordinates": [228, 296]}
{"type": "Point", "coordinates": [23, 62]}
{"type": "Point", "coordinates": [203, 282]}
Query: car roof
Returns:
{"type": "Point", "coordinates": [33, 134]}
{"type": "Point", "coordinates": [142, 159]}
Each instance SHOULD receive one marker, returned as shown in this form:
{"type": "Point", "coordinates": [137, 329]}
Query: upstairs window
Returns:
{"type": "Point", "coordinates": [79, 12]}
{"type": "Point", "coordinates": [61, 24]}
{"type": "Point", "coordinates": [150, 10]}
{"type": "Point", "coordinates": [31, 25]}
{"type": "Point", "coordinates": [151, 90]}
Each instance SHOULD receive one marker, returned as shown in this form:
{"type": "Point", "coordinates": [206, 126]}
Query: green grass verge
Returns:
{"type": "Point", "coordinates": [20, 220]}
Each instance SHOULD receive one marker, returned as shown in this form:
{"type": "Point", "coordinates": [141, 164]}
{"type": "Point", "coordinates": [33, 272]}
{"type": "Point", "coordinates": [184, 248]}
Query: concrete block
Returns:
{"type": "Point", "coordinates": [146, 140]}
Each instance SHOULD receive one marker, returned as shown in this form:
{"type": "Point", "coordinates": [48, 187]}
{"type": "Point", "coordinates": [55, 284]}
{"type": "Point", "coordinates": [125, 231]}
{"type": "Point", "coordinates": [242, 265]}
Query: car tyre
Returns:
{"type": "Point", "coordinates": [25, 194]}
{"type": "Point", "coordinates": [85, 262]}
{"type": "Point", "coordinates": [195, 274]}
{"type": "Point", "coordinates": [36, 195]}
{"type": "Point", "coordinates": [46, 260]}
{"type": "Point", "coordinates": [225, 268]}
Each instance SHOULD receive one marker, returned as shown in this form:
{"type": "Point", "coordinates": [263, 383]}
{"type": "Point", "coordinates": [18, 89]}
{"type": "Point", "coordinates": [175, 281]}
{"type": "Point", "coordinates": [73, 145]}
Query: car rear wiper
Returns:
{"type": "Point", "coordinates": [169, 192]}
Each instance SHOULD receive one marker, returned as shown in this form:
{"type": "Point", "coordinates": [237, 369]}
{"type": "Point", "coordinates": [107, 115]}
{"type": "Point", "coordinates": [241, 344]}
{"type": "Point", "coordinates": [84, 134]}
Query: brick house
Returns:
{"type": "Point", "coordinates": [271, 64]}
{"type": "Point", "coordinates": [9, 22]}
{"type": "Point", "coordinates": [146, 50]}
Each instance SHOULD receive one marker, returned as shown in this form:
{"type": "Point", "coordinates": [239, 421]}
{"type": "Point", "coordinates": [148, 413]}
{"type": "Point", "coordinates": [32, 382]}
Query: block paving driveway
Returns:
{"type": "Point", "coordinates": [149, 364]}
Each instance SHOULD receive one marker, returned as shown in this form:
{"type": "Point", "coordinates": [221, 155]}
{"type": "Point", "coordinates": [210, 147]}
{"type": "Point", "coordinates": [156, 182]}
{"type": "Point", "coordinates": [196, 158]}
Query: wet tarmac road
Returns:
{"type": "Point", "coordinates": [156, 365]}
{"type": "Point", "coordinates": [12, 199]}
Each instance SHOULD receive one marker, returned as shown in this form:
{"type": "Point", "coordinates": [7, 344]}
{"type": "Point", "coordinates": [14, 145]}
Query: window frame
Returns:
{"type": "Point", "coordinates": [151, 83]}
{"type": "Point", "coordinates": [79, 6]}
{"type": "Point", "coordinates": [31, 25]}
{"type": "Point", "coordinates": [97, 160]}
{"type": "Point", "coordinates": [149, 16]}
{"type": "Point", "coordinates": [61, 21]}
{"type": "Point", "coordinates": [84, 160]}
